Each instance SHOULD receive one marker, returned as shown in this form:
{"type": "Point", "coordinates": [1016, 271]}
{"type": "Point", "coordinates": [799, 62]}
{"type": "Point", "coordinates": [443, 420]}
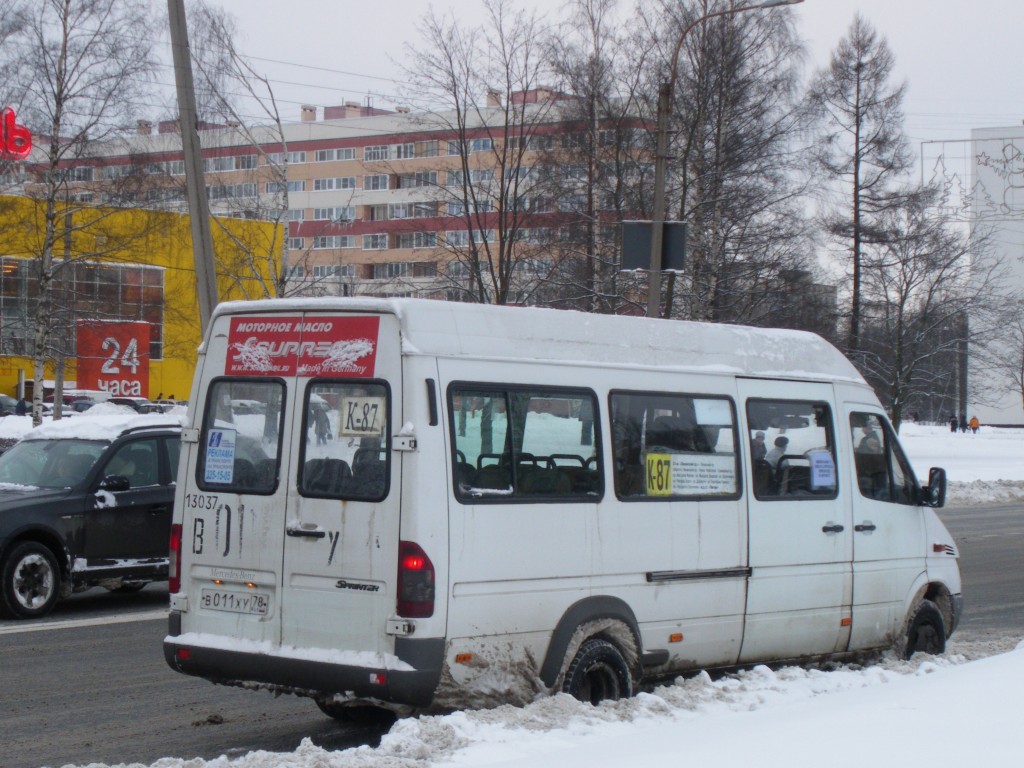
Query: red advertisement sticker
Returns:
{"type": "Point", "coordinates": [302, 346]}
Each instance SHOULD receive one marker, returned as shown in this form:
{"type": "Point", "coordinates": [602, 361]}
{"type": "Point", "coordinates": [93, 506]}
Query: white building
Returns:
{"type": "Point", "coordinates": [997, 202]}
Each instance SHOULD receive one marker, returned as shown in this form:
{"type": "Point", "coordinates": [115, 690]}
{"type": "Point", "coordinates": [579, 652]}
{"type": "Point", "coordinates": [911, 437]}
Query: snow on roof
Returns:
{"type": "Point", "coordinates": [566, 336]}
{"type": "Point", "coordinates": [104, 427]}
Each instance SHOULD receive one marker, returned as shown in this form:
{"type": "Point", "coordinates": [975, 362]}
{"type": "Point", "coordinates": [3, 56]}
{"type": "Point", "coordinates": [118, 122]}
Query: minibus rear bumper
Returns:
{"type": "Point", "coordinates": [309, 677]}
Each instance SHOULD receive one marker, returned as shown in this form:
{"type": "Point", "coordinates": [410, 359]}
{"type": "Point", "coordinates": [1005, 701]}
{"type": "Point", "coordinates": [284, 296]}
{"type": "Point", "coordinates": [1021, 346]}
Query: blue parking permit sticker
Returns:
{"type": "Point", "coordinates": [220, 456]}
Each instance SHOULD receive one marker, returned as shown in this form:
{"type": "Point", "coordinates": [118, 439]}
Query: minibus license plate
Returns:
{"type": "Point", "coordinates": [235, 602]}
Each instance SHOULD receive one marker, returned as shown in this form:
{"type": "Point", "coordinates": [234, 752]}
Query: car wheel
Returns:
{"type": "Point", "coordinates": [598, 673]}
{"type": "Point", "coordinates": [30, 581]}
{"type": "Point", "coordinates": [926, 631]}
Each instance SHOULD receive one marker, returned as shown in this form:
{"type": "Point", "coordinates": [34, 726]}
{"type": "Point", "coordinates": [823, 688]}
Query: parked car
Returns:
{"type": "Point", "coordinates": [137, 404]}
{"type": "Point", "coordinates": [81, 405]}
{"type": "Point", "coordinates": [8, 405]}
{"type": "Point", "coordinates": [79, 510]}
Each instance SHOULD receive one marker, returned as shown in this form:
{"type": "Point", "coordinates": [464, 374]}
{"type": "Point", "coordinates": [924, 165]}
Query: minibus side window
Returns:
{"type": "Point", "coordinates": [674, 446]}
{"type": "Point", "coordinates": [524, 444]}
{"type": "Point", "coordinates": [345, 452]}
{"type": "Point", "coordinates": [792, 449]}
{"type": "Point", "coordinates": [883, 472]}
{"type": "Point", "coordinates": [241, 441]}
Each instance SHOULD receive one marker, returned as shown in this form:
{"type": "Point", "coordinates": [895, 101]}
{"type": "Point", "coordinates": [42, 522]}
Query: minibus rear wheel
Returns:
{"type": "Point", "coordinates": [926, 631]}
{"type": "Point", "coordinates": [598, 672]}
{"type": "Point", "coordinates": [357, 714]}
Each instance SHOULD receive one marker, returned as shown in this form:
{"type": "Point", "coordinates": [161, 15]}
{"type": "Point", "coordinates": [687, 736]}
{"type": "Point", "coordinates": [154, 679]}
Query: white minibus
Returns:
{"type": "Point", "coordinates": [418, 505]}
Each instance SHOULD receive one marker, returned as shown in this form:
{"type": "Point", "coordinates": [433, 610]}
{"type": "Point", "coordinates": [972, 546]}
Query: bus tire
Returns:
{"type": "Point", "coordinates": [598, 672]}
{"type": "Point", "coordinates": [365, 715]}
{"type": "Point", "coordinates": [926, 631]}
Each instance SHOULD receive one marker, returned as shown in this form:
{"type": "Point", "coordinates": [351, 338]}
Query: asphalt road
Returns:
{"type": "Point", "coordinates": [89, 683]}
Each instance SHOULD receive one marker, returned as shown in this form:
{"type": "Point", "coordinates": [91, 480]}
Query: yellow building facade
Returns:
{"type": "Point", "coordinates": [118, 268]}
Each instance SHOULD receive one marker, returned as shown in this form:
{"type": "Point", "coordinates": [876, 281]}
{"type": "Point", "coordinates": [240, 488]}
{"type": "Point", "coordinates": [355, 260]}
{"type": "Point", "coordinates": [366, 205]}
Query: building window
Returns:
{"type": "Point", "coordinates": [426, 149]}
{"type": "Point", "coordinates": [405, 151]}
{"type": "Point", "coordinates": [218, 164]}
{"type": "Point", "coordinates": [416, 240]}
{"type": "Point", "coordinates": [330, 242]}
{"type": "Point", "coordinates": [335, 183]}
{"type": "Point", "coordinates": [91, 290]}
{"type": "Point", "coordinates": [226, 191]}
{"type": "Point", "coordinates": [424, 210]}
{"type": "Point", "coordinates": [392, 269]}
{"type": "Point", "coordinates": [334, 270]}
{"type": "Point", "coordinates": [377, 152]}
{"type": "Point", "coordinates": [328, 155]}
{"type": "Point", "coordinates": [376, 242]}
{"type": "Point", "coordinates": [295, 243]}
{"type": "Point", "coordinates": [296, 214]}
{"type": "Point", "coordinates": [481, 145]}
{"type": "Point", "coordinates": [342, 213]}
{"type": "Point", "coordinates": [458, 238]}
{"type": "Point", "coordinates": [272, 187]}
{"type": "Point", "coordinates": [419, 179]}
{"type": "Point", "coordinates": [375, 181]}
{"type": "Point", "coordinates": [400, 210]}
{"type": "Point", "coordinates": [296, 157]}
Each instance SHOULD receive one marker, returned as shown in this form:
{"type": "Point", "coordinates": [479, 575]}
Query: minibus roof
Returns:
{"type": "Point", "coordinates": [486, 331]}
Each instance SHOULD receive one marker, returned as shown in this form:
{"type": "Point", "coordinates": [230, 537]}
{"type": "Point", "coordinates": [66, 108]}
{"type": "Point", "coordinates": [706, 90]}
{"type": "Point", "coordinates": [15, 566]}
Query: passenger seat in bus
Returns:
{"type": "Point", "coordinates": [325, 476]}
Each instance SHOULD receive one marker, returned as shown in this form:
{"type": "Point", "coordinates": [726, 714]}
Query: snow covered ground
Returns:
{"type": "Point", "coordinates": [958, 709]}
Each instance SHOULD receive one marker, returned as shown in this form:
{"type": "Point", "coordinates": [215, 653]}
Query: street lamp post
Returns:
{"type": "Point", "coordinates": [665, 93]}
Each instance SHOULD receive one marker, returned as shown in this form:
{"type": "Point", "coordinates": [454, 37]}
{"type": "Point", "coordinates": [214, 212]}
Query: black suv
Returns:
{"type": "Point", "coordinates": [85, 503]}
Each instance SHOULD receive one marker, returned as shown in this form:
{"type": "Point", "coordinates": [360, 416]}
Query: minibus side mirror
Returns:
{"type": "Point", "coordinates": [934, 494]}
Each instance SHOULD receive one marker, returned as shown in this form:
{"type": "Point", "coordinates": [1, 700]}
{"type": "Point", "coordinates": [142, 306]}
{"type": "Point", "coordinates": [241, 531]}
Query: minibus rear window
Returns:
{"type": "Point", "coordinates": [345, 450]}
{"type": "Point", "coordinates": [241, 440]}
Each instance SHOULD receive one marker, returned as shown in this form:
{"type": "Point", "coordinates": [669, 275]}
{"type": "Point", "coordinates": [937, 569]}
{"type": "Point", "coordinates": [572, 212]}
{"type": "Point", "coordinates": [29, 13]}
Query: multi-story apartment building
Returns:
{"type": "Point", "coordinates": [373, 201]}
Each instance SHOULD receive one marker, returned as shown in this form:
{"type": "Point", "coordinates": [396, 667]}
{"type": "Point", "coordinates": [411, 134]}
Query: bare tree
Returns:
{"type": "Point", "coordinates": [922, 281]}
{"type": "Point", "coordinates": [736, 178]}
{"type": "Point", "coordinates": [83, 67]}
{"type": "Point", "coordinates": [603, 161]}
{"type": "Point", "coordinates": [862, 146]}
{"type": "Point", "coordinates": [1009, 360]}
{"type": "Point", "coordinates": [490, 83]}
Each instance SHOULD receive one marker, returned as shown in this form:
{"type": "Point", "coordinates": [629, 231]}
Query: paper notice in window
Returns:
{"type": "Point", "coordinates": [823, 470]}
{"type": "Point", "coordinates": [703, 475]}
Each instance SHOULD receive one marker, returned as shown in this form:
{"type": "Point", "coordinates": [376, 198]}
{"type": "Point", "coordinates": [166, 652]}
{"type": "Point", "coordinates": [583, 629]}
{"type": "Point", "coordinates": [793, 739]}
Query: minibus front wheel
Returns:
{"type": "Point", "coordinates": [926, 631]}
{"type": "Point", "coordinates": [598, 672]}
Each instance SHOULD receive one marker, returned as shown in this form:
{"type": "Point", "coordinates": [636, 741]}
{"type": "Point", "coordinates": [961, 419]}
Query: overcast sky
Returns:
{"type": "Point", "coordinates": [960, 58]}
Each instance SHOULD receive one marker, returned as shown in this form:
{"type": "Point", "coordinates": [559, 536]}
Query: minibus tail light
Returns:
{"type": "Point", "coordinates": [415, 581]}
{"type": "Point", "coordinates": [174, 575]}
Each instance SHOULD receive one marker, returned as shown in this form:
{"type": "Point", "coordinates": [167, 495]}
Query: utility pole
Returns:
{"type": "Point", "coordinates": [198, 206]}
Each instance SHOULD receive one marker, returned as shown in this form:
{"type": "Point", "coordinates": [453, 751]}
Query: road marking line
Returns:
{"type": "Point", "coordinates": [14, 629]}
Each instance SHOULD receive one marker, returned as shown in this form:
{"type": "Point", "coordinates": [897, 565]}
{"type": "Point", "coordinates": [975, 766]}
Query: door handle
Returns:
{"type": "Point", "coordinates": [312, 533]}
{"type": "Point", "coordinates": [832, 528]}
{"type": "Point", "coordinates": [865, 527]}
